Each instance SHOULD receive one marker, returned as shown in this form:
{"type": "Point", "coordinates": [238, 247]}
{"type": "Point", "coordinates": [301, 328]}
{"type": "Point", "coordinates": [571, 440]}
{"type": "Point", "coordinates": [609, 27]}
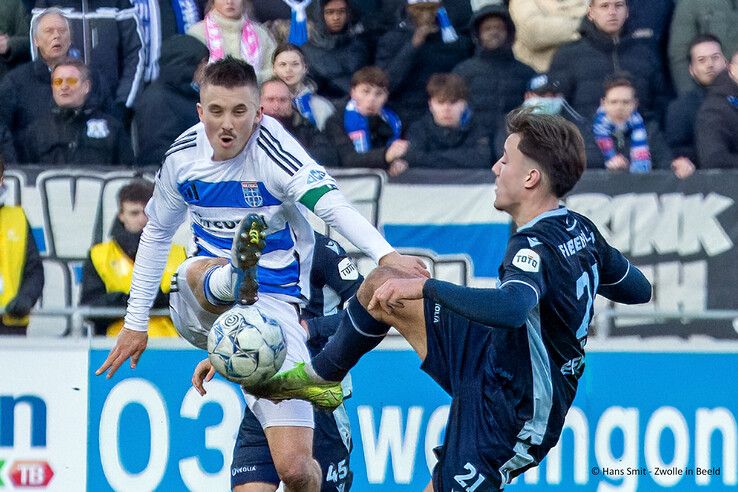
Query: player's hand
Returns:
{"type": "Point", "coordinates": [391, 294]}
{"type": "Point", "coordinates": [130, 344]}
{"type": "Point", "coordinates": [203, 372]}
{"type": "Point", "coordinates": [617, 163]}
{"type": "Point", "coordinates": [406, 263]}
{"type": "Point", "coordinates": [682, 167]}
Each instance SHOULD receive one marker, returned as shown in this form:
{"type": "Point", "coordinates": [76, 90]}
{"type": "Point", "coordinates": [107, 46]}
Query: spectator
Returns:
{"type": "Point", "coordinates": [695, 17]}
{"type": "Point", "coordinates": [107, 271]}
{"type": "Point", "coordinates": [117, 51]}
{"type": "Point", "coordinates": [75, 132]}
{"type": "Point", "coordinates": [497, 81]}
{"type": "Point", "coordinates": [335, 51]}
{"type": "Point", "coordinates": [706, 61]}
{"type": "Point", "coordinates": [413, 52]}
{"type": "Point", "coordinates": [449, 136]}
{"type": "Point", "coordinates": [14, 47]}
{"type": "Point", "coordinates": [626, 141]}
{"type": "Point", "coordinates": [21, 270]}
{"type": "Point", "coordinates": [544, 25]}
{"type": "Point", "coordinates": [276, 102]}
{"type": "Point", "coordinates": [581, 67]}
{"type": "Point", "coordinates": [651, 19]}
{"type": "Point", "coordinates": [159, 21]}
{"type": "Point", "coordinates": [364, 131]}
{"type": "Point", "coordinates": [227, 30]}
{"type": "Point", "coordinates": [174, 94]}
{"type": "Point", "coordinates": [291, 68]}
{"type": "Point", "coordinates": [717, 121]}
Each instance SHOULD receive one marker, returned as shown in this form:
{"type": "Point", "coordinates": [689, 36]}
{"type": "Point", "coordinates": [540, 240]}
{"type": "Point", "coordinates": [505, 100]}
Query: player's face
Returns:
{"type": "Point", "coordinates": [230, 116]}
{"type": "Point", "coordinates": [608, 15]}
{"type": "Point", "coordinates": [289, 67]}
{"type": "Point", "coordinates": [132, 216]}
{"type": "Point", "coordinates": [230, 9]}
{"type": "Point", "coordinates": [511, 173]}
{"type": "Point", "coordinates": [52, 37]}
{"type": "Point", "coordinates": [369, 98]}
{"type": "Point", "coordinates": [68, 87]}
{"type": "Point", "coordinates": [706, 62]}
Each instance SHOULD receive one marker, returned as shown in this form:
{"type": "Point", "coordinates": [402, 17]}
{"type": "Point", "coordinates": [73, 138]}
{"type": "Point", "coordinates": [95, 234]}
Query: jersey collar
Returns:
{"type": "Point", "coordinates": [551, 213]}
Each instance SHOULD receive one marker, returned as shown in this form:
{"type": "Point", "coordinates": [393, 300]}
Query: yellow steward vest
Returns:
{"type": "Point", "coordinates": [116, 271]}
{"type": "Point", "coordinates": [13, 238]}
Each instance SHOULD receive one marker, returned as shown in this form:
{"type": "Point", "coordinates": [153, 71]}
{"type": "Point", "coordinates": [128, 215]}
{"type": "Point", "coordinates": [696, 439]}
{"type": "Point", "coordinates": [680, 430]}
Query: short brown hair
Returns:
{"type": "Point", "coordinates": [447, 87]}
{"type": "Point", "coordinates": [137, 191]}
{"type": "Point", "coordinates": [554, 143]}
{"type": "Point", "coordinates": [620, 80]}
{"type": "Point", "coordinates": [83, 69]}
{"type": "Point", "coordinates": [372, 76]}
{"type": "Point", "coordinates": [229, 72]}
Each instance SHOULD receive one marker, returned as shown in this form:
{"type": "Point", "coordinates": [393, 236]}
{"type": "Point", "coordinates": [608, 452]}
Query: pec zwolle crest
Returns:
{"type": "Point", "coordinates": [251, 194]}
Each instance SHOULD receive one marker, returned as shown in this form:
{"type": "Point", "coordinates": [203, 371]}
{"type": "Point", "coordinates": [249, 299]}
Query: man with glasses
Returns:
{"type": "Point", "coordinates": [75, 132]}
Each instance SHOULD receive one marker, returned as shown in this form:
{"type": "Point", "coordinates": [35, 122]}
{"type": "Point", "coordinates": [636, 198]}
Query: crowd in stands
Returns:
{"type": "Point", "coordinates": [388, 84]}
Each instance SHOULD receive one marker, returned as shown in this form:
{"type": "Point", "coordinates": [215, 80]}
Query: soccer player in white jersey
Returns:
{"type": "Point", "coordinates": [235, 163]}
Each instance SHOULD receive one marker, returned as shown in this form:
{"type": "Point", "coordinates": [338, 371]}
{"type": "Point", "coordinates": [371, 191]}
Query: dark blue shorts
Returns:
{"type": "Point", "coordinates": [483, 421]}
{"type": "Point", "coordinates": [252, 461]}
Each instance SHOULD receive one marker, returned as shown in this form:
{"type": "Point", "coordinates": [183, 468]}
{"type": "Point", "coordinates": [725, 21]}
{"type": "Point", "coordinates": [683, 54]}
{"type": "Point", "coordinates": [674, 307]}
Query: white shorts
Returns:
{"type": "Point", "coordinates": [193, 323]}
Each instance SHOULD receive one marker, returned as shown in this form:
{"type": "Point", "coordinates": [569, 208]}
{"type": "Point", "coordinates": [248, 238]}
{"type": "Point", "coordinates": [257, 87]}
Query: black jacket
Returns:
{"type": "Point", "coordinates": [717, 125]}
{"type": "Point", "coordinates": [318, 144]}
{"type": "Point", "coordinates": [168, 106]}
{"type": "Point", "coordinates": [32, 283]}
{"type": "Point", "coordinates": [26, 92]}
{"type": "Point", "coordinates": [117, 51]}
{"type": "Point", "coordinates": [7, 149]}
{"type": "Point", "coordinates": [433, 146]}
{"type": "Point", "coordinates": [409, 68]}
{"type": "Point", "coordinates": [77, 137]}
{"type": "Point", "coordinates": [497, 81]}
{"type": "Point", "coordinates": [95, 294]}
{"type": "Point", "coordinates": [661, 155]}
{"type": "Point", "coordinates": [680, 120]}
{"type": "Point", "coordinates": [333, 58]}
{"type": "Point", "coordinates": [380, 134]}
{"type": "Point", "coordinates": [581, 68]}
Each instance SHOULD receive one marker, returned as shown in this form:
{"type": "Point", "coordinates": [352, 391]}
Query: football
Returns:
{"type": "Point", "coordinates": [245, 346]}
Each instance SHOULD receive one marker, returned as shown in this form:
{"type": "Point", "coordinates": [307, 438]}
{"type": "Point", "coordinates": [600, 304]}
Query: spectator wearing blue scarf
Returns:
{"type": "Point", "coordinates": [288, 64]}
{"type": "Point", "coordinates": [365, 132]}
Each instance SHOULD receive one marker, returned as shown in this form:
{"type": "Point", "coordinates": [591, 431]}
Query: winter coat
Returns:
{"type": "Point", "coordinates": [79, 137]}
{"type": "Point", "coordinates": [333, 58]}
{"type": "Point", "coordinates": [231, 30]}
{"type": "Point", "coordinates": [14, 23]}
{"type": "Point", "coordinates": [433, 146]}
{"type": "Point", "coordinates": [695, 17]}
{"type": "Point", "coordinates": [661, 155]}
{"type": "Point", "coordinates": [317, 143]}
{"type": "Point", "coordinates": [497, 81]}
{"type": "Point", "coordinates": [409, 68]}
{"type": "Point", "coordinates": [543, 26]}
{"type": "Point", "coordinates": [380, 133]}
{"type": "Point", "coordinates": [717, 125]}
{"type": "Point", "coordinates": [168, 106]}
{"type": "Point", "coordinates": [7, 149]}
{"type": "Point", "coordinates": [27, 96]}
{"type": "Point", "coordinates": [680, 123]}
{"type": "Point", "coordinates": [581, 68]}
{"type": "Point", "coordinates": [117, 51]}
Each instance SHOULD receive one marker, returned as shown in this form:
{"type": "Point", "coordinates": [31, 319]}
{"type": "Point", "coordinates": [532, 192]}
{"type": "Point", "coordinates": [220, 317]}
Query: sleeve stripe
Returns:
{"type": "Point", "coordinates": [276, 142]}
{"type": "Point", "coordinates": [538, 299]}
{"type": "Point", "coordinates": [177, 149]}
{"type": "Point", "coordinates": [183, 141]}
{"type": "Point", "coordinates": [277, 153]}
{"type": "Point", "coordinates": [627, 270]}
{"type": "Point", "coordinates": [274, 159]}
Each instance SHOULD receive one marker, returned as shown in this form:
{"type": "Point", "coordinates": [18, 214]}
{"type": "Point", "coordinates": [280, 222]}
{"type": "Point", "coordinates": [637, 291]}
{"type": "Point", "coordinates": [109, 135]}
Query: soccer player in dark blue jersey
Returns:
{"type": "Point", "coordinates": [510, 357]}
{"type": "Point", "coordinates": [334, 278]}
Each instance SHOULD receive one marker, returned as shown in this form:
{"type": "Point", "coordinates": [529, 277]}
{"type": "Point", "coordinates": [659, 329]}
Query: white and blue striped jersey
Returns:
{"type": "Point", "coordinates": [272, 176]}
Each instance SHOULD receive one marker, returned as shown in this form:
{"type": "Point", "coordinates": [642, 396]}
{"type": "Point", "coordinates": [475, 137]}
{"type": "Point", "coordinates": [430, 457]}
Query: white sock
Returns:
{"type": "Point", "coordinates": [219, 283]}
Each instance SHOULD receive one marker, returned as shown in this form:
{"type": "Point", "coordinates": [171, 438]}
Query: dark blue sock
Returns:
{"type": "Point", "coordinates": [358, 333]}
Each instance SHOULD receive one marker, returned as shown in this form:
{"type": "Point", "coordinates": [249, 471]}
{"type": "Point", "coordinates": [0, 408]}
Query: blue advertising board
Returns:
{"type": "Point", "coordinates": [641, 422]}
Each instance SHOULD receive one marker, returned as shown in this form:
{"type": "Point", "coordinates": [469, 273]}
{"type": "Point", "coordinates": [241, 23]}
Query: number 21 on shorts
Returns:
{"type": "Point", "coordinates": [467, 480]}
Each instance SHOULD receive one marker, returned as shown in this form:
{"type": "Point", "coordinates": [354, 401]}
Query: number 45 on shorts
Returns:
{"type": "Point", "coordinates": [336, 472]}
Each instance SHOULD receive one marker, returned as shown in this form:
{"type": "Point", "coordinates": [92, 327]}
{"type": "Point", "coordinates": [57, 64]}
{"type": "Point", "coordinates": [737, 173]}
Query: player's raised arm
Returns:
{"type": "Point", "coordinates": [165, 212]}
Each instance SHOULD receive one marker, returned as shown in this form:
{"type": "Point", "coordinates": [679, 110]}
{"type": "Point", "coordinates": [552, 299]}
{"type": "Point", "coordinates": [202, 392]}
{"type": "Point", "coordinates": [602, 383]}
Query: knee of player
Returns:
{"type": "Point", "coordinates": [298, 471]}
{"type": "Point", "coordinates": [373, 281]}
